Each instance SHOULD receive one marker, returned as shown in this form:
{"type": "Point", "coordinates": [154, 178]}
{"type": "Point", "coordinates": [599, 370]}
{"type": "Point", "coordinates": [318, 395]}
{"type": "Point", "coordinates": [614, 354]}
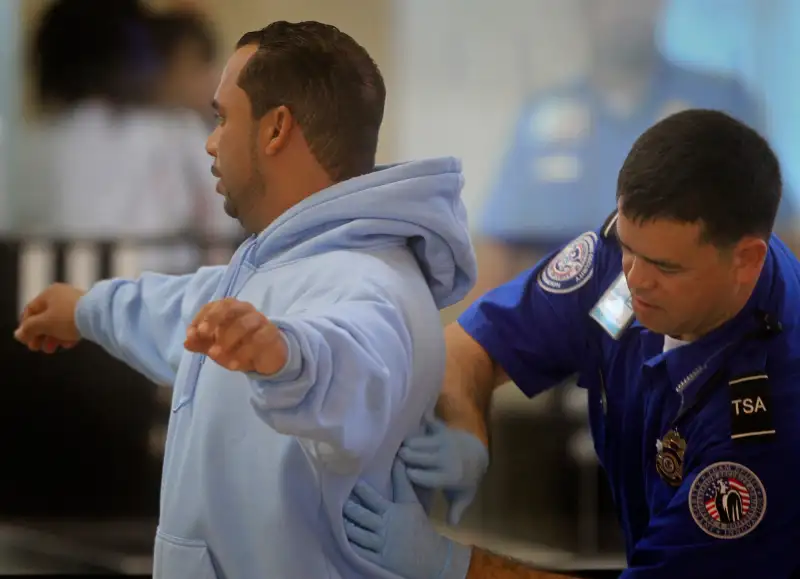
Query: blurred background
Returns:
{"type": "Point", "coordinates": [104, 112]}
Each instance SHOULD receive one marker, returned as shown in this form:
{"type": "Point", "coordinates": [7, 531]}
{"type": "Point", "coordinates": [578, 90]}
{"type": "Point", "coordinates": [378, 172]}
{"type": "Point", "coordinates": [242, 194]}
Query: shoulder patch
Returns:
{"type": "Point", "coordinates": [727, 500]}
{"type": "Point", "coordinates": [572, 267]}
{"type": "Point", "coordinates": [751, 407]}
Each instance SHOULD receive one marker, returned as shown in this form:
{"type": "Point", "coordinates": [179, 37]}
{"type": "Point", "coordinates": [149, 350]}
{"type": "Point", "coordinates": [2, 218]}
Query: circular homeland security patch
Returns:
{"type": "Point", "coordinates": [572, 267]}
{"type": "Point", "coordinates": [727, 500]}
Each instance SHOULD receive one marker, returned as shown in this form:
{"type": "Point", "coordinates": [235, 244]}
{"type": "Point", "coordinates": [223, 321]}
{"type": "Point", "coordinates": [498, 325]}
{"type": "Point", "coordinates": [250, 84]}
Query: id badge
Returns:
{"type": "Point", "coordinates": [614, 310]}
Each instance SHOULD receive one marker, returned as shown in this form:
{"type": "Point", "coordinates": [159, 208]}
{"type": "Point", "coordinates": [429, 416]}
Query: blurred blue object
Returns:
{"type": "Point", "coordinates": [558, 178]}
{"type": "Point", "coordinates": [757, 42]}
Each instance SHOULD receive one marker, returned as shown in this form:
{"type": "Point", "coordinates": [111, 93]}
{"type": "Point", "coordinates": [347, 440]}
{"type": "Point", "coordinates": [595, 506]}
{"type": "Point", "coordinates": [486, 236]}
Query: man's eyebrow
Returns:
{"type": "Point", "coordinates": [663, 263]}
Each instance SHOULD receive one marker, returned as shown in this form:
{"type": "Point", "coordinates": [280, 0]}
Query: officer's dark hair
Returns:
{"type": "Point", "coordinates": [703, 166]}
{"type": "Point", "coordinates": [330, 83]}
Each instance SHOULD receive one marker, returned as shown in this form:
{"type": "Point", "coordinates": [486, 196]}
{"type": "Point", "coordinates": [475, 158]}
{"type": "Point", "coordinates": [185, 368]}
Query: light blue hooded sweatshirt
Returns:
{"type": "Point", "coordinates": [257, 468]}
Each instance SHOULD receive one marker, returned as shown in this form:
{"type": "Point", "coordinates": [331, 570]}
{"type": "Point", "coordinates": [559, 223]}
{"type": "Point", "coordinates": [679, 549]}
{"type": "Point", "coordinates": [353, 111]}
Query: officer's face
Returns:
{"type": "Point", "coordinates": [681, 285]}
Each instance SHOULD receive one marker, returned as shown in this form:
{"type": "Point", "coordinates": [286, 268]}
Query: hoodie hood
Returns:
{"type": "Point", "coordinates": [416, 203]}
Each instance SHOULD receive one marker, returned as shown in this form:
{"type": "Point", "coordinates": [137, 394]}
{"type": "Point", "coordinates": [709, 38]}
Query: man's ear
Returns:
{"type": "Point", "coordinates": [275, 129]}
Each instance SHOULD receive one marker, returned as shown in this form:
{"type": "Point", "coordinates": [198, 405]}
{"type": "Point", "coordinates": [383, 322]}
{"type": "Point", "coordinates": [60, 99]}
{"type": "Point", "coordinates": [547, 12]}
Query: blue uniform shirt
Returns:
{"type": "Point", "coordinates": [560, 175]}
{"type": "Point", "coordinates": [732, 397]}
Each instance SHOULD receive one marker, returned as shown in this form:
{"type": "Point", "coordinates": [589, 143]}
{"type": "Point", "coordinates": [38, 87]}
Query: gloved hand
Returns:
{"type": "Point", "coordinates": [398, 536]}
{"type": "Point", "coordinates": [448, 459]}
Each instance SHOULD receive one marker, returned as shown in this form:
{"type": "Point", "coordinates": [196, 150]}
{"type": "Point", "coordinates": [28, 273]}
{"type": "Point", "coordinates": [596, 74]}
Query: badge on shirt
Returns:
{"type": "Point", "coordinates": [727, 500]}
{"type": "Point", "coordinates": [751, 407]}
{"type": "Point", "coordinates": [572, 267]}
{"type": "Point", "coordinates": [670, 451]}
{"type": "Point", "coordinates": [614, 310]}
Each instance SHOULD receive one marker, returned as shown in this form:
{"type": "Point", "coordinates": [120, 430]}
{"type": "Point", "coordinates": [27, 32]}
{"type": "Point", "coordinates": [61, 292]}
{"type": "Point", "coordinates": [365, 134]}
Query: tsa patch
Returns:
{"type": "Point", "coordinates": [727, 500]}
{"type": "Point", "coordinates": [572, 267]}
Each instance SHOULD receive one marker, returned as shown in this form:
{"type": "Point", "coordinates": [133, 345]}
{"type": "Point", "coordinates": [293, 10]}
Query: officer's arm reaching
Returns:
{"type": "Point", "coordinates": [470, 379]}
{"type": "Point", "coordinates": [533, 330]}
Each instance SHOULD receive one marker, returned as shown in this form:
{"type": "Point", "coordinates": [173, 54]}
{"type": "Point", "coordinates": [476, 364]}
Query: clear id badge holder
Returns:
{"type": "Point", "coordinates": [614, 310]}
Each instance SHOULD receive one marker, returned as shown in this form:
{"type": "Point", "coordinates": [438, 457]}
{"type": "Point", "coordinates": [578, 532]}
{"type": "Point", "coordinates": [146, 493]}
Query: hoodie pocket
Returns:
{"type": "Point", "coordinates": [176, 558]}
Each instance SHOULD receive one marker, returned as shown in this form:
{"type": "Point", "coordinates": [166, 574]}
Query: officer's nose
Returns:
{"type": "Point", "coordinates": [639, 274]}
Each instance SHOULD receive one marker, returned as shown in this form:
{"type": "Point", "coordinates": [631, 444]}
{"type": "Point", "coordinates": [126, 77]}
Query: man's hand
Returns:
{"type": "Point", "coordinates": [448, 459]}
{"type": "Point", "coordinates": [48, 321]}
{"type": "Point", "coordinates": [238, 337]}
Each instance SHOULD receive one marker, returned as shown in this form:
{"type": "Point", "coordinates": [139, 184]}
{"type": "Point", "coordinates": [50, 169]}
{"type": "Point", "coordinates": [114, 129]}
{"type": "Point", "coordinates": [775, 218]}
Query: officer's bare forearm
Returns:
{"type": "Point", "coordinates": [470, 378]}
{"type": "Point", "coordinates": [486, 565]}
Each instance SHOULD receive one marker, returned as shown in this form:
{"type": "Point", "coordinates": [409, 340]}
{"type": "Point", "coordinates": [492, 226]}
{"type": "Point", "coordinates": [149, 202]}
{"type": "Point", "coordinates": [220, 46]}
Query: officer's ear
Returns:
{"type": "Point", "coordinates": [748, 258]}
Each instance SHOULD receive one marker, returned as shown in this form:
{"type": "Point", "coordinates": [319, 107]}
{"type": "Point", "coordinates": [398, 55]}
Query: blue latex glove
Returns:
{"type": "Point", "coordinates": [448, 459]}
{"type": "Point", "coordinates": [398, 536]}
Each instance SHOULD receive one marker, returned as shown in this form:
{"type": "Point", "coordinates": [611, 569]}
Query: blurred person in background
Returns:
{"type": "Point", "coordinates": [559, 175]}
{"type": "Point", "coordinates": [107, 161]}
{"type": "Point", "coordinates": [188, 51]}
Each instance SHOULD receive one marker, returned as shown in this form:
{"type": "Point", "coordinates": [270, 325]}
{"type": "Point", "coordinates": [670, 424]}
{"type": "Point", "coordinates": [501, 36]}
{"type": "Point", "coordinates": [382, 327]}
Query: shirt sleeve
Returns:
{"type": "Point", "coordinates": [537, 327]}
{"type": "Point", "coordinates": [143, 322]}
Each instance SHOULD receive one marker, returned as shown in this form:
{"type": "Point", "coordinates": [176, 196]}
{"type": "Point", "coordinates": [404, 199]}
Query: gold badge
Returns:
{"type": "Point", "coordinates": [669, 460]}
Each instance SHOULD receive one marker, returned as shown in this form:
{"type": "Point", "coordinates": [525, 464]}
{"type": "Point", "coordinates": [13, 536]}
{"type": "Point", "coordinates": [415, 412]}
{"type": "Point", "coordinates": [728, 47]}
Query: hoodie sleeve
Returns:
{"type": "Point", "coordinates": [143, 322]}
{"type": "Point", "coordinates": [345, 381]}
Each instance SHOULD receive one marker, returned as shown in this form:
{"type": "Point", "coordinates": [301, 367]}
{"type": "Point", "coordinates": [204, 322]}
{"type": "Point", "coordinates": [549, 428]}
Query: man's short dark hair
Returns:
{"type": "Point", "coordinates": [329, 82]}
{"type": "Point", "coordinates": [703, 166]}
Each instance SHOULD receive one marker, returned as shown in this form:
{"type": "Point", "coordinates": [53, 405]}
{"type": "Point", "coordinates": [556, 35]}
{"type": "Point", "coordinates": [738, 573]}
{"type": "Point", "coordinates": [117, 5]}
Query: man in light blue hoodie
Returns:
{"type": "Point", "coordinates": [318, 349]}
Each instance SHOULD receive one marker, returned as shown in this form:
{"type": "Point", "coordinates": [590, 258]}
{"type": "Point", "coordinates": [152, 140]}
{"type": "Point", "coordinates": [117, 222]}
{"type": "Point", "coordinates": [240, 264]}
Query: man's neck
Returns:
{"type": "Point", "coordinates": [291, 192]}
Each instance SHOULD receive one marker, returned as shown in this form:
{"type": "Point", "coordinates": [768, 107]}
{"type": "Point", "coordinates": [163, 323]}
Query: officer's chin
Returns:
{"type": "Point", "coordinates": [653, 320]}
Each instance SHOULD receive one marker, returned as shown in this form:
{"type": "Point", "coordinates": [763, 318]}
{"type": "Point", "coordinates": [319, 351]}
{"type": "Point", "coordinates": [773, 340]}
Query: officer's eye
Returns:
{"type": "Point", "coordinates": [668, 270]}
